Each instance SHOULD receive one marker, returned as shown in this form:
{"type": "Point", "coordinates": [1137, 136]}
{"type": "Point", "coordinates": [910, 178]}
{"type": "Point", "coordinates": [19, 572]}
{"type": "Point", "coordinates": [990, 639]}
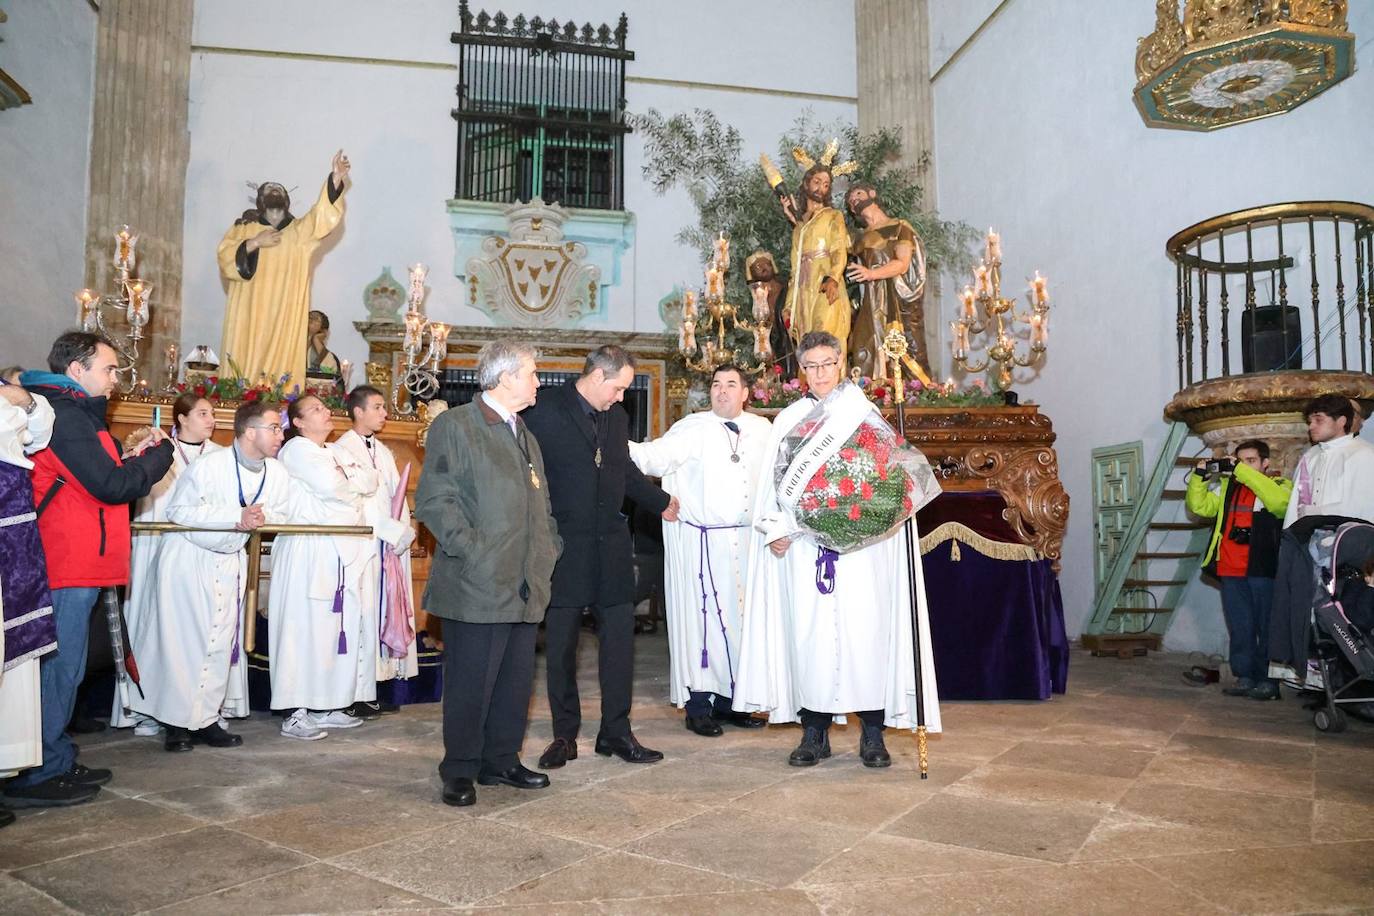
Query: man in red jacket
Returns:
{"type": "Point", "coordinates": [82, 485]}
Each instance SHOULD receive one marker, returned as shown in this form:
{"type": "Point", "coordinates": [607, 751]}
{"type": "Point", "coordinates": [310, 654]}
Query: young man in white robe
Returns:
{"type": "Point", "coordinates": [367, 410]}
{"type": "Point", "coordinates": [189, 641]}
{"type": "Point", "coordinates": [711, 461]}
{"type": "Point", "coordinates": [322, 650]}
{"type": "Point", "coordinates": [193, 422]}
{"type": "Point", "coordinates": [812, 656]}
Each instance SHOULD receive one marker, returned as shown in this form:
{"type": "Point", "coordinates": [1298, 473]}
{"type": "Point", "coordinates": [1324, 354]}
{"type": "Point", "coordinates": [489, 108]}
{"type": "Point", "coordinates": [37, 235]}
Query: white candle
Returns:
{"type": "Point", "coordinates": [1041, 286]}
{"type": "Point", "coordinates": [994, 247]}
{"type": "Point", "coordinates": [966, 297]}
{"type": "Point", "coordinates": [689, 303]}
{"type": "Point", "coordinates": [722, 251]}
{"type": "Point", "coordinates": [981, 278]}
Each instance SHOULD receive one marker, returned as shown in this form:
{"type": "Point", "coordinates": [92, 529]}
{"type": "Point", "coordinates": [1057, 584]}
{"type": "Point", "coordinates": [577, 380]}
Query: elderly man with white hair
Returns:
{"type": "Point", "coordinates": [484, 496]}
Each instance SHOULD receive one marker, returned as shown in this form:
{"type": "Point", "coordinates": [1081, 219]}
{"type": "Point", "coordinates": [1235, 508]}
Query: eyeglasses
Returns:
{"type": "Point", "coordinates": [272, 427]}
{"type": "Point", "coordinates": [817, 367]}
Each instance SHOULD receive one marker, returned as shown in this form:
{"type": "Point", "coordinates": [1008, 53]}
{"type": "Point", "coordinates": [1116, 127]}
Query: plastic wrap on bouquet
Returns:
{"type": "Point", "coordinates": [846, 476]}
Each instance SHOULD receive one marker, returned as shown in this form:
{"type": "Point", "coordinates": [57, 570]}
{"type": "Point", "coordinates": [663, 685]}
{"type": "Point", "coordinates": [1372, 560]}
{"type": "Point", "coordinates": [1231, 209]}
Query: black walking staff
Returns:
{"type": "Point", "coordinates": [895, 346]}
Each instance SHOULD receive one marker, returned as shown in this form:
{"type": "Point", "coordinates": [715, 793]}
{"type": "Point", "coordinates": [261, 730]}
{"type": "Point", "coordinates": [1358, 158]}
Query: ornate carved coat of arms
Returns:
{"type": "Point", "coordinates": [532, 277]}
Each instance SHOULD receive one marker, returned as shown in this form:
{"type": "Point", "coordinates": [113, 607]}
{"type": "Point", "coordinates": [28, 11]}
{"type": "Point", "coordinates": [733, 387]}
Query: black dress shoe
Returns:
{"type": "Point", "coordinates": [1265, 690]}
{"type": "Point", "coordinates": [705, 726]}
{"type": "Point", "coordinates": [57, 792]}
{"type": "Point", "coordinates": [6, 816]}
{"type": "Point", "coordinates": [518, 777]}
{"type": "Point", "coordinates": [741, 720]}
{"type": "Point", "coordinates": [814, 747]}
{"type": "Point", "coordinates": [558, 753]}
{"type": "Point", "coordinates": [216, 736]}
{"type": "Point", "coordinates": [459, 792]}
{"type": "Point", "coordinates": [872, 750]}
{"type": "Point", "coordinates": [627, 749]}
{"type": "Point", "coordinates": [177, 740]}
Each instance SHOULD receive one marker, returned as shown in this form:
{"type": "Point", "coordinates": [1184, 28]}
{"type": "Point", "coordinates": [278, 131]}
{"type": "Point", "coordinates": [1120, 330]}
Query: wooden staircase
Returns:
{"type": "Point", "coordinates": [1145, 568]}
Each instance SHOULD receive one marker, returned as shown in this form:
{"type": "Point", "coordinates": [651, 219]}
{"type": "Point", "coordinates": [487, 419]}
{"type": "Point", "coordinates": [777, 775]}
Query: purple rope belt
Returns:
{"type": "Point", "coordinates": [704, 571]}
{"type": "Point", "coordinates": [825, 570]}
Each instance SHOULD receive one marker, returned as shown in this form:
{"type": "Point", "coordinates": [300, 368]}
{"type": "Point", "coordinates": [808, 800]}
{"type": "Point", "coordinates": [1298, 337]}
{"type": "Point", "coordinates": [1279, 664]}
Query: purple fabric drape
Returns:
{"type": "Point", "coordinates": [997, 625]}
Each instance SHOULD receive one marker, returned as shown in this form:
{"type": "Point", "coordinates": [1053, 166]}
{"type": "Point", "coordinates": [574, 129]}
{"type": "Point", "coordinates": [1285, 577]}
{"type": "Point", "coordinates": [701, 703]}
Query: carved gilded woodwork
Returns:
{"type": "Point", "coordinates": [1007, 449]}
{"type": "Point", "coordinates": [1230, 61]}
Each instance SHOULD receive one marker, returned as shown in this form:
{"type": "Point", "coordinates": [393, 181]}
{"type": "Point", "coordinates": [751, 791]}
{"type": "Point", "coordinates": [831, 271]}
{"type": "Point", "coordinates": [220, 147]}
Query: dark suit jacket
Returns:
{"type": "Point", "coordinates": [596, 566]}
{"type": "Point", "coordinates": [497, 540]}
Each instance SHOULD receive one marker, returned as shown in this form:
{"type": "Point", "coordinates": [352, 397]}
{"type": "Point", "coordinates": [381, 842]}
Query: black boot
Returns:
{"type": "Point", "coordinates": [872, 750]}
{"type": "Point", "coordinates": [176, 740]}
{"type": "Point", "coordinates": [814, 747]}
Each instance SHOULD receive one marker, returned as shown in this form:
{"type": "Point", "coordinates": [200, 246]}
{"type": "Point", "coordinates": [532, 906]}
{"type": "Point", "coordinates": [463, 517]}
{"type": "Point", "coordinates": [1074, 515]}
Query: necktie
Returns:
{"type": "Point", "coordinates": [732, 426]}
{"type": "Point", "coordinates": [510, 421]}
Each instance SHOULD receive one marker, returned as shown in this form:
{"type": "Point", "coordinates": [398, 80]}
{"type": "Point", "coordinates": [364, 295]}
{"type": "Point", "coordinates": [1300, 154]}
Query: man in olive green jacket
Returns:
{"type": "Point", "coordinates": [483, 497]}
{"type": "Point", "coordinates": [1243, 552]}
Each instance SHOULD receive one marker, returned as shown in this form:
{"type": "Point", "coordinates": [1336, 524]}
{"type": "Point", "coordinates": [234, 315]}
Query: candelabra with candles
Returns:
{"type": "Point", "coordinates": [131, 299]}
{"type": "Point", "coordinates": [985, 309]}
{"type": "Point", "coordinates": [425, 346]}
{"type": "Point", "coordinates": [722, 323]}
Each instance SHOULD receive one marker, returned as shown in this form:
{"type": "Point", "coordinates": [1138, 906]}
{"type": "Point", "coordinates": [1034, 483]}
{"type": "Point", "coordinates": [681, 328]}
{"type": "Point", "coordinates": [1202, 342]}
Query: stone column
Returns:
{"type": "Point", "coordinates": [893, 54]}
{"type": "Point", "coordinates": [139, 149]}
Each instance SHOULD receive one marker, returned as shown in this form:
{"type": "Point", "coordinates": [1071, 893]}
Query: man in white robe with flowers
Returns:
{"type": "Point", "coordinates": [827, 634]}
{"type": "Point", "coordinates": [711, 461]}
{"type": "Point", "coordinates": [384, 593]}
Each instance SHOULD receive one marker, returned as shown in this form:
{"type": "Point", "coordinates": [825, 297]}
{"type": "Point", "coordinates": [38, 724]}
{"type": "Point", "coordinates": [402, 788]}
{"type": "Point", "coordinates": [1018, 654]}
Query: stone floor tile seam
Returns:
{"type": "Point", "coordinates": [58, 905]}
{"type": "Point", "coordinates": [1025, 864]}
{"type": "Point", "coordinates": [620, 847]}
{"type": "Point", "coordinates": [758, 885]}
{"type": "Point", "coordinates": [1143, 863]}
{"type": "Point", "coordinates": [438, 904]}
{"type": "Point", "coordinates": [868, 835]}
{"type": "Point", "coordinates": [1188, 785]}
{"type": "Point", "coordinates": [334, 859]}
{"type": "Point", "coordinates": [14, 873]}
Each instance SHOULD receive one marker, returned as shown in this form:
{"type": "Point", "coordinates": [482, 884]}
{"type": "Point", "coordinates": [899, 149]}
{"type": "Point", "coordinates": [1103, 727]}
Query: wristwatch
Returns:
{"type": "Point", "coordinates": [30, 407]}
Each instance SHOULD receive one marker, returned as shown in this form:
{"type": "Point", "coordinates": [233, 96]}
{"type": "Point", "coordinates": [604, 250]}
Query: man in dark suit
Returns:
{"type": "Point", "coordinates": [584, 435]}
{"type": "Point", "coordinates": [482, 495]}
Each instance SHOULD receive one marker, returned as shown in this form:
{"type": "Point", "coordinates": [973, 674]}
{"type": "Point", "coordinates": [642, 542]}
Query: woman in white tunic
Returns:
{"type": "Point", "coordinates": [320, 657]}
{"type": "Point", "coordinates": [367, 410]}
{"type": "Point", "coordinates": [710, 461]}
{"type": "Point", "coordinates": [812, 656]}
{"type": "Point", "coordinates": [189, 642]}
{"type": "Point", "coordinates": [193, 423]}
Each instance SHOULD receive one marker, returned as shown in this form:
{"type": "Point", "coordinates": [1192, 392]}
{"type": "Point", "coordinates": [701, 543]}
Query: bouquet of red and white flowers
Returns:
{"type": "Point", "coordinates": [847, 477]}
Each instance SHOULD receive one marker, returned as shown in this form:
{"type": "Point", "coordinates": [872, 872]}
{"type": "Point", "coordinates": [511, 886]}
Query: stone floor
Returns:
{"type": "Point", "coordinates": [1133, 793]}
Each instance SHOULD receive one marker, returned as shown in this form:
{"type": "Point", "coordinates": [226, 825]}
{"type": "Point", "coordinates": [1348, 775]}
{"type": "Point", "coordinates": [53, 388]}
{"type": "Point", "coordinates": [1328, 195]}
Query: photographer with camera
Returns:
{"type": "Point", "coordinates": [1248, 506]}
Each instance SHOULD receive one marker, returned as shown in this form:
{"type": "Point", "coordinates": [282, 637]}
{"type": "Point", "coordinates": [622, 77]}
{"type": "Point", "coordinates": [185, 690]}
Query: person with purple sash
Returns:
{"type": "Point", "coordinates": [711, 461]}
{"type": "Point", "coordinates": [29, 631]}
{"type": "Point", "coordinates": [189, 644]}
{"type": "Point", "coordinates": [828, 633]}
{"type": "Point", "coordinates": [322, 638]}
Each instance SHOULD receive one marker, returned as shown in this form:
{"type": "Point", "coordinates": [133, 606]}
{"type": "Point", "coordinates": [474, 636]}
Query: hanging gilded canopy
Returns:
{"type": "Point", "coordinates": [1230, 61]}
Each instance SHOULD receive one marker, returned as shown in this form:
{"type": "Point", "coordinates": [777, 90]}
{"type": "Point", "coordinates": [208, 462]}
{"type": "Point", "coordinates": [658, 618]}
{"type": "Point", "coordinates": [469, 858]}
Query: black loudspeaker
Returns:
{"type": "Point", "coordinates": [1271, 338]}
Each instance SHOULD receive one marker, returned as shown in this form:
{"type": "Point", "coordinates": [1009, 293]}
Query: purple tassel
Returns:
{"type": "Point", "coordinates": [343, 643]}
{"type": "Point", "coordinates": [705, 663]}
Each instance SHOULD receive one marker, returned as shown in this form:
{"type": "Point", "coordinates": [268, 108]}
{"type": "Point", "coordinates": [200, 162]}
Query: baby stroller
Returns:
{"type": "Point", "coordinates": [1343, 623]}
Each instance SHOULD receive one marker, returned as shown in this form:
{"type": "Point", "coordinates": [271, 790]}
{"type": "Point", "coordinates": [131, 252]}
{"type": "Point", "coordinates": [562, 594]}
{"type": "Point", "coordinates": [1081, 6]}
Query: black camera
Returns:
{"type": "Point", "coordinates": [1239, 534]}
{"type": "Point", "coordinates": [1220, 466]}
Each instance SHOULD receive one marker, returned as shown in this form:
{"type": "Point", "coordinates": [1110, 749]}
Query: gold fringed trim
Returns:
{"type": "Point", "coordinates": [957, 533]}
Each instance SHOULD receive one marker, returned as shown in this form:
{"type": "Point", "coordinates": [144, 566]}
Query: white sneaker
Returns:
{"type": "Point", "coordinates": [147, 728]}
{"type": "Point", "coordinates": [298, 725]}
{"type": "Point", "coordinates": [336, 719]}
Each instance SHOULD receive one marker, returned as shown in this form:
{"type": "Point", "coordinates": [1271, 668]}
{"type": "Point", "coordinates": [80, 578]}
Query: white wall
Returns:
{"type": "Point", "coordinates": [256, 116]}
{"type": "Point", "coordinates": [49, 48]}
{"type": "Point", "coordinates": [1036, 134]}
